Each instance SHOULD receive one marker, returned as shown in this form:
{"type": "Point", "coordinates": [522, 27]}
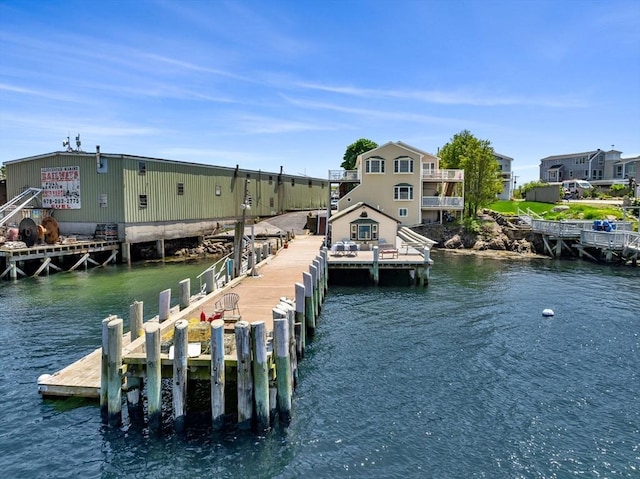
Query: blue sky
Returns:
{"type": "Point", "coordinates": [265, 84]}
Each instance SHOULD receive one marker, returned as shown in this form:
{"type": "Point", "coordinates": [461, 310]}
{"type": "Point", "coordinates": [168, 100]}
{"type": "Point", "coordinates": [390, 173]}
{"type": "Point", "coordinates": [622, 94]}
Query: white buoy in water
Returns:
{"type": "Point", "coordinates": [547, 312]}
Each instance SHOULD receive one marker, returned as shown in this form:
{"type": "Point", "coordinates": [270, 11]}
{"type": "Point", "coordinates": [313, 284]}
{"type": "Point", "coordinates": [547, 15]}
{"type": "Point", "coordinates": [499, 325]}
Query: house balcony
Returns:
{"type": "Point", "coordinates": [442, 202]}
{"type": "Point", "coordinates": [344, 175]}
{"type": "Point", "coordinates": [443, 175]}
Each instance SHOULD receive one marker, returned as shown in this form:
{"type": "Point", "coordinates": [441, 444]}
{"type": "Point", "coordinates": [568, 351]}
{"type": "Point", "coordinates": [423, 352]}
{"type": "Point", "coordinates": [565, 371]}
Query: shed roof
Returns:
{"type": "Point", "coordinates": [357, 205]}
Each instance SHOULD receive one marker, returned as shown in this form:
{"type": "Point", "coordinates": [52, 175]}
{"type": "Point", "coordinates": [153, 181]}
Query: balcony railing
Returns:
{"type": "Point", "coordinates": [439, 202]}
{"type": "Point", "coordinates": [443, 175]}
{"type": "Point", "coordinates": [343, 175]}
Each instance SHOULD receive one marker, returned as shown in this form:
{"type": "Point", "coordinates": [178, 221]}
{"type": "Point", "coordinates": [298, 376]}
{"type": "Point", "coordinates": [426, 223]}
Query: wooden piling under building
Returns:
{"type": "Point", "coordinates": [41, 259]}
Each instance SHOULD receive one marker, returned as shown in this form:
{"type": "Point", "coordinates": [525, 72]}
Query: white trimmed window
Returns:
{"type": "Point", "coordinates": [403, 212]}
{"type": "Point", "coordinates": [364, 231]}
{"type": "Point", "coordinates": [403, 192]}
{"type": "Point", "coordinates": [404, 164]}
{"type": "Point", "coordinates": [374, 165]}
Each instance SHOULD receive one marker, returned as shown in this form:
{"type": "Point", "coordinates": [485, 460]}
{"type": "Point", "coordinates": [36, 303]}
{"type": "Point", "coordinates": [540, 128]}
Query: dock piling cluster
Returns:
{"type": "Point", "coordinates": [263, 368]}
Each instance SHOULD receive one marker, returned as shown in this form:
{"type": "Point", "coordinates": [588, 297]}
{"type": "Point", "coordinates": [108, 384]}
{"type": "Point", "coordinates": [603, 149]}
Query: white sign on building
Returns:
{"type": "Point", "coordinates": [60, 187]}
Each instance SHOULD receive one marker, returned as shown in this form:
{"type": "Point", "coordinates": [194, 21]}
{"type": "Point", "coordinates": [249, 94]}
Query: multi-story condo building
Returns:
{"type": "Point", "coordinates": [506, 175]}
{"type": "Point", "coordinates": [600, 168]}
{"type": "Point", "coordinates": [405, 183]}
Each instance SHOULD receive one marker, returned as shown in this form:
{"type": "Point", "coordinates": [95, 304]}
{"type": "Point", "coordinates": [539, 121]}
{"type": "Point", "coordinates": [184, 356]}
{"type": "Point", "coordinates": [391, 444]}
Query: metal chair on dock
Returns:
{"type": "Point", "coordinates": [229, 302]}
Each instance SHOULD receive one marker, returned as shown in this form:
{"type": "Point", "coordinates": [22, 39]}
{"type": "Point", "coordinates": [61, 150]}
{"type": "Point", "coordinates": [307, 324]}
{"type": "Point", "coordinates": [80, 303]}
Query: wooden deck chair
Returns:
{"type": "Point", "coordinates": [229, 302]}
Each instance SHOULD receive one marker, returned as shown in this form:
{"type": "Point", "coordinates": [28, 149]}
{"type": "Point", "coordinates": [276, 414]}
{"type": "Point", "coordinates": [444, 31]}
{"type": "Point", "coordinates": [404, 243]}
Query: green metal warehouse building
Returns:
{"type": "Point", "coordinates": [151, 199]}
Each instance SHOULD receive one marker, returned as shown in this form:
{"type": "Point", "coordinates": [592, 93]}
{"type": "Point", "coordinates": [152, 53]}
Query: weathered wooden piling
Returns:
{"type": "Point", "coordinates": [283, 367]}
{"type": "Point", "coordinates": [325, 257]}
{"type": "Point", "coordinates": [185, 293]}
{"type": "Point", "coordinates": [114, 372]}
{"type": "Point", "coordinates": [217, 374]}
{"type": "Point", "coordinates": [104, 370]}
{"type": "Point", "coordinates": [153, 375]}
{"type": "Point", "coordinates": [180, 351]}
{"type": "Point", "coordinates": [244, 380]}
{"type": "Point", "coordinates": [210, 282]}
{"type": "Point", "coordinates": [375, 268]}
{"type": "Point", "coordinates": [164, 306]}
{"type": "Point", "coordinates": [313, 269]}
{"type": "Point", "coordinates": [318, 262]}
{"type": "Point", "coordinates": [291, 317]}
{"type": "Point", "coordinates": [135, 319]}
{"type": "Point", "coordinates": [309, 309]}
{"type": "Point", "coordinates": [260, 374]}
{"type": "Point", "coordinates": [287, 310]}
{"type": "Point", "coordinates": [300, 317]}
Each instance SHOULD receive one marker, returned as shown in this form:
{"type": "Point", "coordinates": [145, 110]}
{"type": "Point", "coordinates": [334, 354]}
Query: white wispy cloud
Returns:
{"type": "Point", "coordinates": [257, 124]}
{"type": "Point", "coordinates": [37, 93]}
{"type": "Point", "coordinates": [459, 97]}
{"type": "Point", "coordinates": [388, 115]}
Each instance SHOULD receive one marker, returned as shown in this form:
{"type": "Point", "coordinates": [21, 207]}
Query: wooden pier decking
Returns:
{"type": "Point", "coordinates": [10, 258]}
{"type": "Point", "coordinates": [399, 256]}
{"type": "Point", "coordinates": [580, 235]}
{"type": "Point", "coordinates": [276, 278]}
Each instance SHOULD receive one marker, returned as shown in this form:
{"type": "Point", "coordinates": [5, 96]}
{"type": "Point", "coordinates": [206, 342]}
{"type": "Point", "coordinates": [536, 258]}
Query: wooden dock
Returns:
{"type": "Point", "coordinates": [276, 278]}
{"type": "Point", "coordinates": [415, 262]}
{"type": "Point", "coordinates": [46, 256]}
{"type": "Point", "coordinates": [580, 236]}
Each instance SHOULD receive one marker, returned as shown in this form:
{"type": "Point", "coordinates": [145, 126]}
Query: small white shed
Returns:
{"type": "Point", "coordinates": [364, 225]}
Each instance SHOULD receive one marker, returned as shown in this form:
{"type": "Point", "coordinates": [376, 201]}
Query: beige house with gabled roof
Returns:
{"type": "Point", "coordinates": [405, 183]}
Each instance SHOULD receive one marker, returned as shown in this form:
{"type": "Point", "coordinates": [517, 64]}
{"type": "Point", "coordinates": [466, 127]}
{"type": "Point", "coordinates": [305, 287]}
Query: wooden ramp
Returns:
{"type": "Point", "coordinates": [276, 277]}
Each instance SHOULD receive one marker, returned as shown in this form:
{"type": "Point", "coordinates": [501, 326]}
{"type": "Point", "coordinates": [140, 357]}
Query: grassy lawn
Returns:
{"type": "Point", "coordinates": [575, 211]}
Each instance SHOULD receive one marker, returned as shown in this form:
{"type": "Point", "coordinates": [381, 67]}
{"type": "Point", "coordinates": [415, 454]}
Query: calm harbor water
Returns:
{"type": "Point", "coordinates": [461, 379]}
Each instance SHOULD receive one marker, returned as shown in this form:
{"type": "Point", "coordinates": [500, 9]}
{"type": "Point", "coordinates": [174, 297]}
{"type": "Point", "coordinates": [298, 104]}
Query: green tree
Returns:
{"type": "Point", "coordinates": [481, 172]}
{"type": "Point", "coordinates": [2, 172]}
{"type": "Point", "coordinates": [354, 149]}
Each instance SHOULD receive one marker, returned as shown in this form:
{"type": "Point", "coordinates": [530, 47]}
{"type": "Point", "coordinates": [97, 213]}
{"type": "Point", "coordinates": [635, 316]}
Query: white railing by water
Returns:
{"type": "Point", "coordinates": [613, 240]}
{"type": "Point", "coordinates": [222, 272]}
{"type": "Point", "coordinates": [442, 202]}
{"type": "Point", "coordinates": [561, 229]}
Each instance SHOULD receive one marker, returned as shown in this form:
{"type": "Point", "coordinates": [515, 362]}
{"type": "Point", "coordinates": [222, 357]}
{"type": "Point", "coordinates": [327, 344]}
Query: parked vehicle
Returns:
{"type": "Point", "coordinates": [574, 189]}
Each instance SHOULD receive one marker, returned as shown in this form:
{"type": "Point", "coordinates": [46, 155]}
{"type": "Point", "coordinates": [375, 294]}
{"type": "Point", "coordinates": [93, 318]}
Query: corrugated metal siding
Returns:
{"type": "Point", "coordinates": [122, 184]}
{"type": "Point", "coordinates": [21, 175]}
{"type": "Point", "coordinates": [201, 183]}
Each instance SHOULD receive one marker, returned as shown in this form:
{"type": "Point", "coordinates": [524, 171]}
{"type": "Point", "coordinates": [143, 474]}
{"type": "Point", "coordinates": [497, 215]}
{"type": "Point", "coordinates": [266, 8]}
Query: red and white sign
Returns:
{"type": "Point", "coordinates": [60, 187]}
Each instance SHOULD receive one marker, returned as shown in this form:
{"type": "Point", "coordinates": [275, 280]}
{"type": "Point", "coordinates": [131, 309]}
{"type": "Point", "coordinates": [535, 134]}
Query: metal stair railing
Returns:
{"type": "Point", "coordinates": [9, 209]}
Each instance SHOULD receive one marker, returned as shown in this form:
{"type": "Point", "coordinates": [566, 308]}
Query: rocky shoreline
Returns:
{"type": "Point", "coordinates": [497, 236]}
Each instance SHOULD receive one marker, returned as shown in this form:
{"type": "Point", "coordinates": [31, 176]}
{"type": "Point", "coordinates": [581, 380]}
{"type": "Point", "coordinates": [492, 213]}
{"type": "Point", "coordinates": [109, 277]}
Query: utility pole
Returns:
{"type": "Point", "coordinates": [239, 233]}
